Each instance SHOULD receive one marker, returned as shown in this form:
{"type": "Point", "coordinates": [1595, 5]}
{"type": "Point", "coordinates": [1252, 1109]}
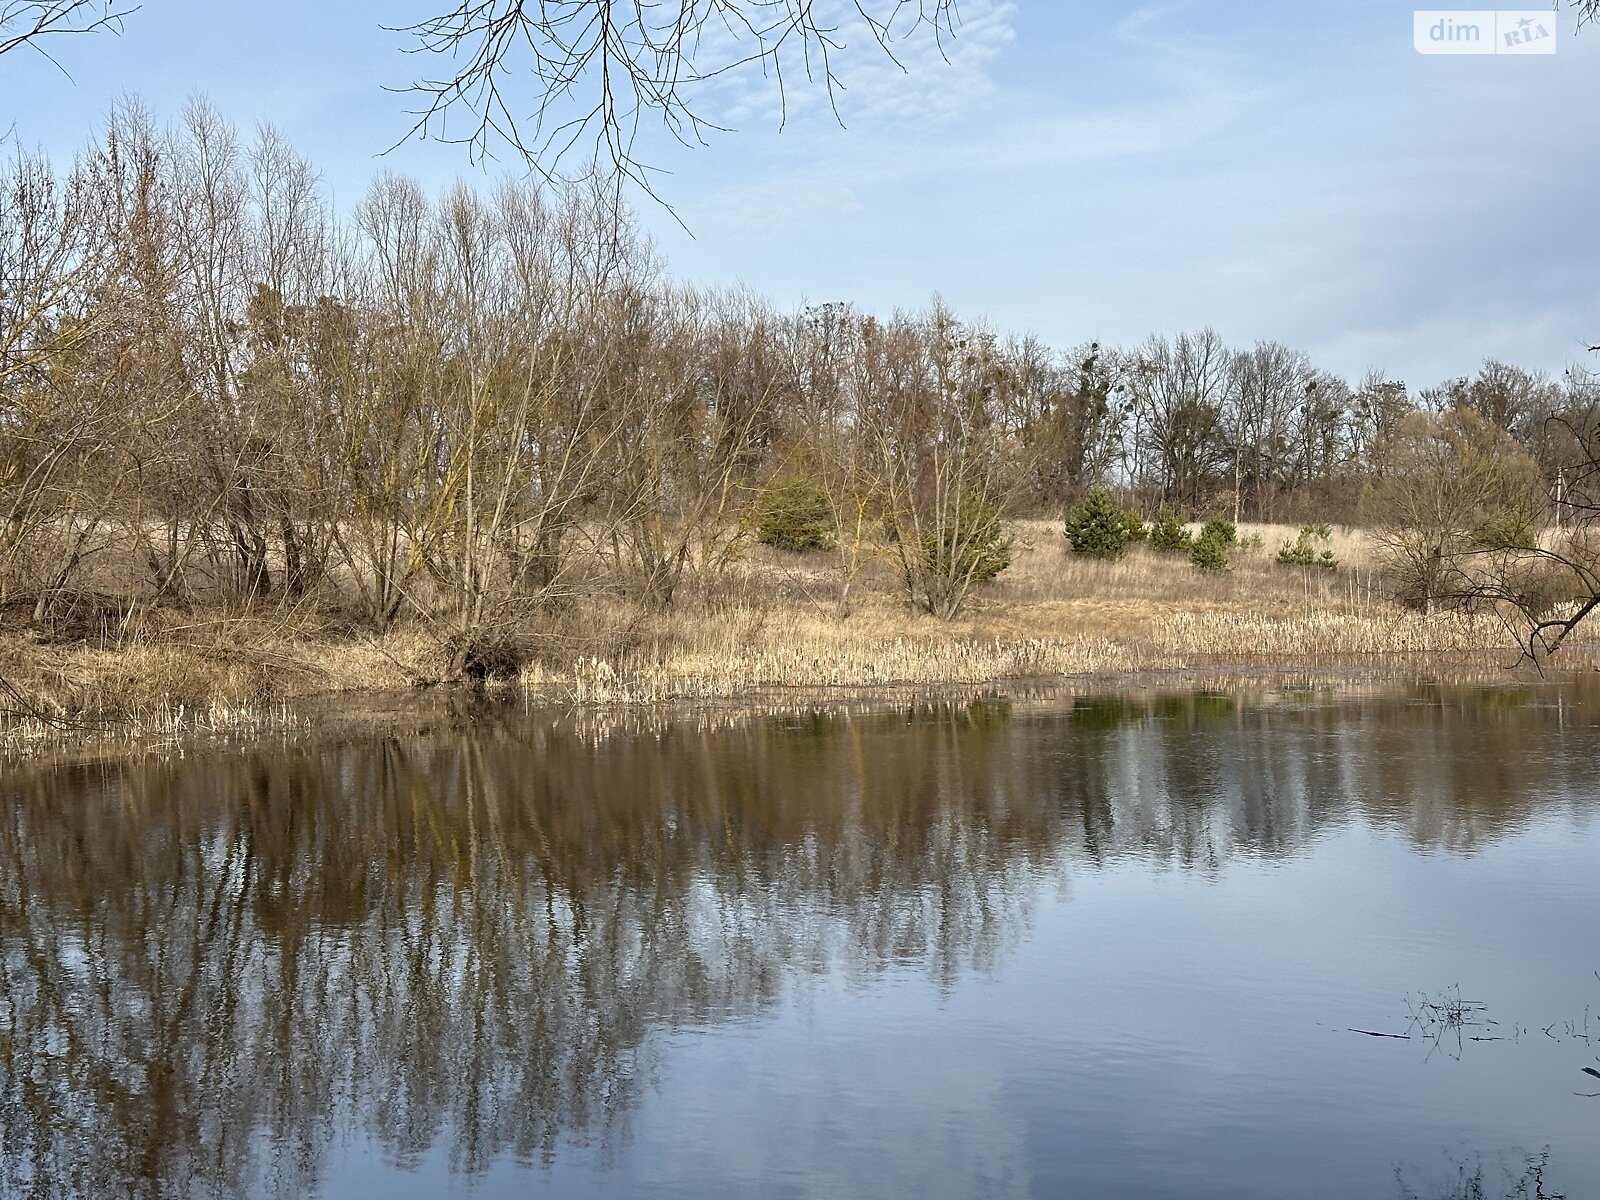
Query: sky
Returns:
{"type": "Point", "coordinates": [1072, 169]}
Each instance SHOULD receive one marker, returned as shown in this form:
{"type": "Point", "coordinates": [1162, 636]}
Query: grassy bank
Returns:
{"type": "Point", "coordinates": [1051, 614]}
{"type": "Point", "coordinates": [770, 622]}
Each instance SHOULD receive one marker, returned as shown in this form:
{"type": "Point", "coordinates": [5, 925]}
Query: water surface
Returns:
{"type": "Point", "coordinates": [1104, 946]}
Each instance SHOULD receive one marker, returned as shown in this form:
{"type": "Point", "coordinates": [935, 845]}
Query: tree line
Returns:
{"type": "Point", "coordinates": [476, 408]}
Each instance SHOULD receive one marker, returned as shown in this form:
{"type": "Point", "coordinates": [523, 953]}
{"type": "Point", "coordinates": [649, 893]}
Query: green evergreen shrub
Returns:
{"type": "Point", "coordinates": [1098, 527]}
{"type": "Point", "coordinates": [1506, 531]}
{"type": "Point", "coordinates": [1220, 530]}
{"type": "Point", "coordinates": [1304, 552]}
{"type": "Point", "coordinates": [1167, 533]}
{"type": "Point", "coordinates": [792, 513]}
{"type": "Point", "coordinates": [1209, 552]}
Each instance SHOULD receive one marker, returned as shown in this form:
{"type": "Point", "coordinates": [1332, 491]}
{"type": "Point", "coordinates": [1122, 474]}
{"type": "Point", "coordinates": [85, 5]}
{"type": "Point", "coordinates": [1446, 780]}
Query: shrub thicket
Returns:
{"type": "Point", "coordinates": [974, 546]}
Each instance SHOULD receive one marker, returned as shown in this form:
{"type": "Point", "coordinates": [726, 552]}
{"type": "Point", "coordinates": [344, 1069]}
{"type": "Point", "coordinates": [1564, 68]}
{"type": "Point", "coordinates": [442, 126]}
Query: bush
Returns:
{"type": "Point", "coordinates": [1097, 526]}
{"type": "Point", "coordinates": [1506, 531]}
{"type": "Point", "coordinates": [976, 545]}
{"type": "Point", "coordinates": [1426, 580]}
{"type": "Point", "coordinates": [1303, 551]}
{"type": "Point", "coordinates": [1168, 533]}
{"type": "Point", "coordinates": [792, 513]}
{"type": "Point", "coordinates": [1209, 552]}
{"type": "Point", "coordinates": [488, 654]}
{"type": "Point", "coordinates": [1220, 530]}
{"type": "Point", "coordinates": [1452, 485]}
{"type": "Point", "coordinates": [1538, 589]}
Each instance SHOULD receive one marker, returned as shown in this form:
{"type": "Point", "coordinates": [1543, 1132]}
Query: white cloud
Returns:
{"type": "Point", "coordinates": [921, 78]}
{"type": "Point", "coordinates": [784, 203]}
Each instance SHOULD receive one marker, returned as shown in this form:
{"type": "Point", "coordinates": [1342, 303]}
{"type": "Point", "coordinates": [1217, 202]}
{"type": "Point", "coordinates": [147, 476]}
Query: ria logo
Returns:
{"type": "Point", "coordinates": [1484, 31]}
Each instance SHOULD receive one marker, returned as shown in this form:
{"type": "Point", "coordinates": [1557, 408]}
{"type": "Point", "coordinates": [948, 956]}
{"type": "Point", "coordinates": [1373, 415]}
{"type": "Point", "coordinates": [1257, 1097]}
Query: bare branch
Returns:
{"type": "Point", "coordinates": [24, 22]}
{"type": "Point", "coordinates": [596, 70]}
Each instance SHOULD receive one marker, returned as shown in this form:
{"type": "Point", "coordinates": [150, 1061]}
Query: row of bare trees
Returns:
{"type": "Point", "coordinates": [475, 410]}
{"type": "Point", "coordinates": [469, 409]}
{"type": "Point", "coordinates": [437, 405]}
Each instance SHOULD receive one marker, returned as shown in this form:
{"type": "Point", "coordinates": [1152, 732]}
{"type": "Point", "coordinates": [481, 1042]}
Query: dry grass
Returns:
{"type": "Point", "coordinates": [770, 625]}
{"type": "Point", "coordinates": [1050, 615]}
{"type": "Point", "coordinates": [236, 675]}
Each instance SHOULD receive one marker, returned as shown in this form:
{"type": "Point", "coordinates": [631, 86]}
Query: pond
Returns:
{"type": "Point", "coordinates": [1140, 945]}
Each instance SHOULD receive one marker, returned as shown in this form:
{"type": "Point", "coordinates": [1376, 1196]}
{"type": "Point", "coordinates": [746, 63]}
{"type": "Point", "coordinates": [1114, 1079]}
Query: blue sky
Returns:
{"type": "Point", "coordinates": [1076, 170]}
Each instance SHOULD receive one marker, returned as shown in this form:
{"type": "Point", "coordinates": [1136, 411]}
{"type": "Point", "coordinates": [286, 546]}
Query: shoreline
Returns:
{"type": "Point", "coordinates": [767, 633]}
{"type": "Point", "coordinates": [390, 702]}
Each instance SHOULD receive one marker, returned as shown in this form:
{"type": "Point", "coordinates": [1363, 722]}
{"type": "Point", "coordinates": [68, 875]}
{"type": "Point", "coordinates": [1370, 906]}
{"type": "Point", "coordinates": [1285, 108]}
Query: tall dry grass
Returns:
{"type": "Point", "coordinates": [1050, 615]}
{"type": "Point", "coordinates": [770, 623]}
{"type": "Point", "coordinates": [215, 675]}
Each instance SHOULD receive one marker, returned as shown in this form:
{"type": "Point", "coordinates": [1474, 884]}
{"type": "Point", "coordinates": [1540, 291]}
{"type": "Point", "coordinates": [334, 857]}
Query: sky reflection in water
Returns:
{"type": "Point", "coordinates": [1096, 947]}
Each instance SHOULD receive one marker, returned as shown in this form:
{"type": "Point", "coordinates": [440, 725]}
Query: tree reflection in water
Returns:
{"type": "Point", "coordinates": [212, 969]}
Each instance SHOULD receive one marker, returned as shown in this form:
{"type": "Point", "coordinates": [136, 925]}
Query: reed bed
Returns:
{"type": "Point", "coordinates": [1051, 616]}
{"type": "Point", "coordinates": [230, 678]}
{"type": "Point", "coordinates": [1184, 641]}
{"type": "Point", "coordinates": [161, 727]}
{"type": "Point", "coordinates": [770, 625]}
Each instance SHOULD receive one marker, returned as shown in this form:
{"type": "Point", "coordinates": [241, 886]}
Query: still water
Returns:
{"type": "Point", "coordinates": [1062, 947]}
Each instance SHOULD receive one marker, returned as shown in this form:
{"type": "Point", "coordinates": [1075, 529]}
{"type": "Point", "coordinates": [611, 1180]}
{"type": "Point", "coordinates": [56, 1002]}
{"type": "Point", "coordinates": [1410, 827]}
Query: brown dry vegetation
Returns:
{"type": "Point", "coordinates": [769, 623]}
{"type": "Point", "coordinates": [1050, 614]}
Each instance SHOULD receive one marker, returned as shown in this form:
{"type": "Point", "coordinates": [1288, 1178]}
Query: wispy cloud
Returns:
{"type": "Point", "coordinates": [918, 76]}
{"type": "Point", "coordinates": [786, 203]}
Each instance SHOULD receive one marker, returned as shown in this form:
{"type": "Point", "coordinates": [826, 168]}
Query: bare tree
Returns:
{"type": "Point", "coordinates": [63, 423]}
{"type": "Point", "coordinates": [1267, 384]}
{"type": "Point", "coordinates": [1455, 490]}
{"type": "Point", "coordinates": [941, 456]}
{"type": "Point", "coordinates": [288, 260]}
{"type": "Point", "coordinates": [517, 308]}
{"type": "Point", "coordinates": [828, 422]}
{"type": "Point", "coordinates": [1515, 399]}
{"type": "Point", "coordinates": [1179, 389]}
{"type": "Point", "coordinates": [697, 380]}
{"type": "Point", "coordinates": [1377, 407]}
{"type": "Point", "coordinates": [1553, 583]}
{"type": "Point", "coordinates": [1067, 412]}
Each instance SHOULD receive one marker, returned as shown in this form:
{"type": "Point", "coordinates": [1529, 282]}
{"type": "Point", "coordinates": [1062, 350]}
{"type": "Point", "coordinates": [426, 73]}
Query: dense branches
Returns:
{"type": "Point", "coordinates": [549, 79]}
{"type": "Point", "coordinates": [576, 80]}
{"type": "Point", "coordinates": [1452, 485]}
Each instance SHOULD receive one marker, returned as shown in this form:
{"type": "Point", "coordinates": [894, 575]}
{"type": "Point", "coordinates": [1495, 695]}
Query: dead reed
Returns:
{"type": "Point", "coordinates": [771, 624]}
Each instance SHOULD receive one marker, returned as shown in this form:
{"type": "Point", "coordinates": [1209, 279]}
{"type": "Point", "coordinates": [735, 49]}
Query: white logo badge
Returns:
{"type": "Point", "coordinates": [1484, 31]}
